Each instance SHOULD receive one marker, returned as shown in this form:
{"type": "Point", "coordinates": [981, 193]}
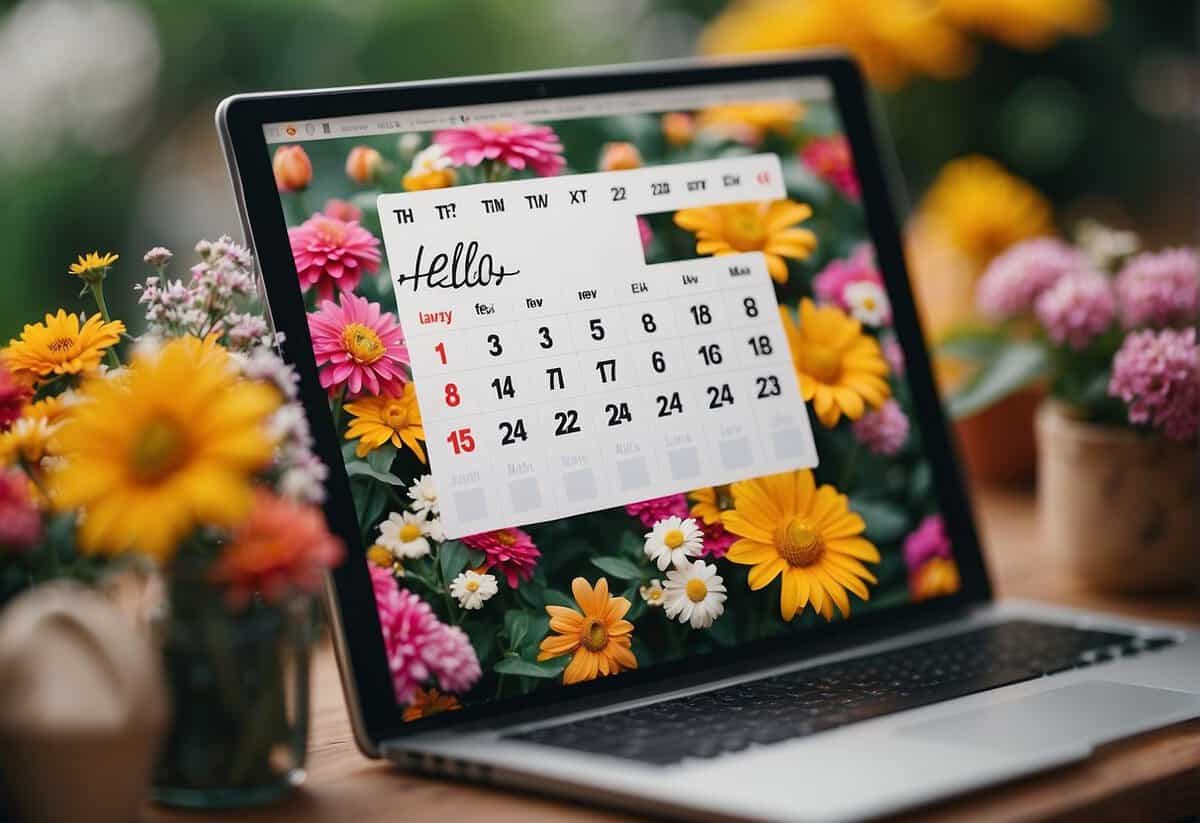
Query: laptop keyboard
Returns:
{"type": "Point", "coordinates": [814, 700]}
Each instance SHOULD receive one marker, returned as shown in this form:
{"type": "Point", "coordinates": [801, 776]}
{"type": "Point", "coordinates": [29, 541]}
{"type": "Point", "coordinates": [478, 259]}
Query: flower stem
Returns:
{"type": "Point", "coordinates": [97, 289]}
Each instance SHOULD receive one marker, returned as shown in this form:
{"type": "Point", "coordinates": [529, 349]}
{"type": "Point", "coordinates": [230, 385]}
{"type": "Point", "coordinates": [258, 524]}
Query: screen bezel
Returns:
{"type": "Point", "coordinates": [374, 710]}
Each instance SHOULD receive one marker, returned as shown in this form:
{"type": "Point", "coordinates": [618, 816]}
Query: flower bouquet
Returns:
{"type": "Point", "coordinates": [1113, 334]}
{"type": "Point", "coordinates": [181, 456]}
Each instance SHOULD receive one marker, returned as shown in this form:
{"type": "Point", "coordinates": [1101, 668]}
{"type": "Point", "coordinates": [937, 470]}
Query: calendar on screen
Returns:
{"type": "Point", "coordinates": [558, 373]}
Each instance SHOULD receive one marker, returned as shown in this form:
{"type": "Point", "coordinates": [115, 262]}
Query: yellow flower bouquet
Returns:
{"type": "Point", "coordinates": [179, 455]}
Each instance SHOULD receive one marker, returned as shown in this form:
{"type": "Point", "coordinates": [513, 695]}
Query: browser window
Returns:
{"type": "Point", "coordinates": [615, 377]}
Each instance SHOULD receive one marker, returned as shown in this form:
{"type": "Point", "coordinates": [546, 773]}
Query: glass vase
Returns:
{"type": "Point", "coordinates": [240, 688]}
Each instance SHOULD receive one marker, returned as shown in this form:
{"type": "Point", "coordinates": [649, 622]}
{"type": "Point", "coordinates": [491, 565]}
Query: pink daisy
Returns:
{"type": "Point", "coordinates": [358, 346]}
{"type": "Point", "coordinates": [651, 511]}
{"type": "Point", "coordinates": [1160, 289]}
{"type": "Point", "coordinates": [1157, 375]}
{"type": "Point", "coordinates": [829, 286]}
{"type": "Point", "coordinates": [20, 523]}
{"type": "Point", "coordinates": [517, 145]}
{"type": "Point", "coordinates": [829, 158]}
{"type": "Point", "coordinates": [330, 253]}
{"type": "Point", "coordinates": [510, 551]}
{"type": "Point", "coordinates": [418, 645]}
{"type": "Point", "coordinates": [883, 430]}
{"type": "Point", "coordinates": [927, 541]}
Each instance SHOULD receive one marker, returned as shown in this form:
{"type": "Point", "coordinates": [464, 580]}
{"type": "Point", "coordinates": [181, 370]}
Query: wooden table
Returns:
{"type": "Point", "coordinates": [1153, 777]}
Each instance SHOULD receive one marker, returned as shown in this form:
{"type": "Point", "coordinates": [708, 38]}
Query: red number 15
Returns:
{"type": "Point", "coordinates": [461, 441]}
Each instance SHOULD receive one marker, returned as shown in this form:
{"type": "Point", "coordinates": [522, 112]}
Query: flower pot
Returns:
{"type": "Point", "coordinates": [1121, 507]}
{"type": "Point", "coordinates": [998, 443]}
{"type": "Point", "coordinates": [240, 685]}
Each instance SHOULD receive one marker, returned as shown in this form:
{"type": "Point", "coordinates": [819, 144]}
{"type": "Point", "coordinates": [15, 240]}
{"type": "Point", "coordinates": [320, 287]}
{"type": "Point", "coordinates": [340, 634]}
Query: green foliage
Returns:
{"type": "Point", "coordinates": [1001, 369]}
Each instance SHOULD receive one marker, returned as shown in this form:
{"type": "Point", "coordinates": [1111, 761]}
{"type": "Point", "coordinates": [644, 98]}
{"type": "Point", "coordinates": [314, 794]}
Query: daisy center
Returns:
{"type": "Point", "coordinates": [362, 343]}
{"type": "Point", "coordinates": [696, 590]}
{"type": "Point", "coordinates": [410, 532]}
{"type": "Point", "coordinates": [821, 361]}
{"type": "Point", "coordinates": [60, 345]}
{"type": "Point", "coordinates": [798, 543]}
{"type": "Point", "coordinates": [673, 539]}
{"type": "Point", "coordinates": [160, 450]}
{"type": "Point", "coordinates": [593, 635]}
{"type": "Point", "coordinates": [472, 585]}
{"type": "Point", "coordinates": [395, 415]}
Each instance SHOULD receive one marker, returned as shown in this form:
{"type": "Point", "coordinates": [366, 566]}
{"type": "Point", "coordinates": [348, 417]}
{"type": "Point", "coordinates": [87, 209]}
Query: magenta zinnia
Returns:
{"type": "Point", "coordinates": [659, 508]}
{"type": "Point", "coordinates": [516, 145]}
{"type": "Point", "coordinates": [1157, 374]}
{"type": "Point", "coordinates": [1160, 289]}
{"type": "Point", "coordinates": [420, 647]}
{"type": "Point", "coordinates": [927, 541]}
{"type": "Point", "coordinates": [333, 254]}
{"type": "Point", "coordinates": [358, 346]}
{"type": "Point", "coordinates": [829, 158]}
{"type": "Point", "coordinates": [829, 285]}
{"type": "Point", "coordinates": [508, 551]}
{"type": "Point", "coordinates": [20, 521]}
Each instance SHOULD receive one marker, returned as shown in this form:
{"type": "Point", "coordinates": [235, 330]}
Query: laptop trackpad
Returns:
{"type": "Point", "coordinates": [1088, 713]}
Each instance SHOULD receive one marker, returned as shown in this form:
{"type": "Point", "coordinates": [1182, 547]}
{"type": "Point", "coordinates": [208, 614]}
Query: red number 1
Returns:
{"type": "Point", "coordinates": [461, 441]}
{"type": "Point", "coordinates": [440, 348]}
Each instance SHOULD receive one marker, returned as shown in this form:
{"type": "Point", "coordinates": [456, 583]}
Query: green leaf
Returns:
{"type": "Point", "coordinates": [516, 626]}
{"type": "Point", "coordinates": [381, 458]}
{"type": "Point", "coordinates": [361, 468]}
{"type": "Point", "coordinates": [1015, 366]}
{"type": "Point", "coordinates": [452, 556]}
{"type": "Point", "coordinates": [553, 597]}
{"type": "Point", "coordinates": [886, 522]}
{"type": "Point", "coordinates": [618, 567]}
{"type": "Point", "coordinates": [631, 544]}
{"type": "Point", "coordinates": [972, 344]}
{"type": "Point", "coordinates": [525, 668]}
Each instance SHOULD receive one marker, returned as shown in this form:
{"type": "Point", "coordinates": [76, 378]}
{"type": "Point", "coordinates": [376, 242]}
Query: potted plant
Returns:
{"type": "Point", "coordinates": [1113, 334]}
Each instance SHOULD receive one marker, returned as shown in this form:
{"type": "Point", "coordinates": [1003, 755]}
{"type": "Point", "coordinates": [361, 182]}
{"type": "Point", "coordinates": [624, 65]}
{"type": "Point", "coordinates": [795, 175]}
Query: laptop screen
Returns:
{"type": "Point", "coordinates": [615, 379]}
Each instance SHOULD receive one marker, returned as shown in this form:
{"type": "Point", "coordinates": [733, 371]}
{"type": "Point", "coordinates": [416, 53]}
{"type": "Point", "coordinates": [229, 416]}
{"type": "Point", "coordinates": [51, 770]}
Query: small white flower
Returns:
{"type": "Point", "coordinates": [409, 142]}
{"type": "Point", "coordinates": [868, 302]}
{"type": "Point", "coordinates": [652, 594]}
{"type": "Point", "coordinates": [405, 535]}
{"type": "Point", "coordinates": [430, 159]}
{"type": "Point", "coordinates": [434, 530]}
{"type": "Point", "coordinates": [472, 589]}
{"type": "Point", "coordinates": [672, 541]}
{"type": "Point", "coordinates": [423, 495]}
{"type": "Point", "coordinates": [695, 594]}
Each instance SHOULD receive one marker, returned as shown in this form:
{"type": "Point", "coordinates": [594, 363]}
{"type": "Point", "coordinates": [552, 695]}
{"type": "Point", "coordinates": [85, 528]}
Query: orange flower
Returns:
{"type": "Point", "coordinates": [282, 548]}
{"type": "Point", "coordinates": [620, 156]}
{"type": "Point", "coordinates": [293, 170]}
{"type": "Point", "coordinates": [596, 636]}
{"type": "Point", "coordinates": [428, 702]}
{"type": "Point", "coordinates": [678, 128]}
{"type": "Point", "coordinates": [364, 165]}
{"type": "Point", "coordinates": [936, 577]}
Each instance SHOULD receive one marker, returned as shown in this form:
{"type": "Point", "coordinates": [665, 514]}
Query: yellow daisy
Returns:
{"type": "Point", "coordinates": [27, 440]}
{"type": "Point", "coordinates": [750, 122]}
{"type": "Point", "coordinates": [808, 535]}
{"type": "Point", "coordinates": [892, 39]}
{"type": "Point", "coordinates": [596, 635]}
{"type": "Point", "coordinates": [171, 443]}
{"type": "Point", "coordinates": [983, 209]}
{"type": "Point", "coordinates": [709, 503]}
{"type": "Point", "coordinates": [93, 266]}
{"type": "Point", "coordinates": [742, 227]}
{"type": "Point", "coordinates": [1027, 24]}
{"type": "Point", "coordinates": [61, 345]}
{"type": "Point", "coordinates": [840, 369]}
{"type": "Point", "coordinates": [382, 419]}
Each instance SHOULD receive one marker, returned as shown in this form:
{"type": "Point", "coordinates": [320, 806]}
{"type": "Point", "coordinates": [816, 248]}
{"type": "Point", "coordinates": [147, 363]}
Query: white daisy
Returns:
{"type": "Point", "coordinates": [471, 589]}
{"type": "Point", "coordinates": [434, 530]}
{"type": "Point", "coordinates": [423, 495]}
{"type": "Point", "coordinates": [672, 541]}
{"type": "Point", "coordinates": [868, 302]}
{"type": "Point", "coordinates": [694, 593]}
{"type": "Point", "coordinates": [652, 594]}
{"type": "Point", "coordinates": [431, 158]}
{"type": "Point", "coordinates": [405, 535]}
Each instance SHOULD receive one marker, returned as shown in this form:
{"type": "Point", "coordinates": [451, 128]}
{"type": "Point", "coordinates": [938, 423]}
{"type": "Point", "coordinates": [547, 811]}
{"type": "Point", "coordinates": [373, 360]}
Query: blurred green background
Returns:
{"type": "Point", "coordinates": [107, 140]}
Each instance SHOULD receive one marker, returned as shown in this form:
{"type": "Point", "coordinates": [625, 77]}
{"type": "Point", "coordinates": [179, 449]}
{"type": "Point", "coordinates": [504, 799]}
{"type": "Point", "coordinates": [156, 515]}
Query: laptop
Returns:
{"type": "Point", "coordinates": [634, 443]}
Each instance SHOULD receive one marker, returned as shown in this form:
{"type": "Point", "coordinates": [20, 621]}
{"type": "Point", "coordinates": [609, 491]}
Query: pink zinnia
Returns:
{"type": "Point", "coordinates": [517, 145]}
{"type": "Point", "coordinates": [418, 645]}
{"type": "Point", "coordinates": [1157, 374]}
{"type": "Point", "coordinates": [510, 551]}
{"type": "Point", "coordinates": [13, 397]}
{"type": "Point", "coordinates": [893, 353]}
{"type": "Point", "coordinates": [332, 253]}
{"type": "Point", "coordinates": [830, 159]}
{"type": "Point", "coordinates": [716, 540]}
{"type": "Point", "coordinates": [830, 284]}
{"type": "Point", "coordinates": [651, 511]}
{"type": "Point", "coordinates": [342, 210]}
{"type": "Point", "coordinates": [358, 346]}
{"type": "Point", "coordinates": [645, 232]}
{"type": "Point", "coordinates": [927, 541]}
{"type": "Point", "coordinates": [20, 523]}
{"type": "Point", "coordinates": [1013, 281]}
{"type": "Point", "coordinates": [883, 430]}
{"type": "Point", "coordinates": [1160, 289]}
{"type": "Point", "coordinates": [1077, 309]}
